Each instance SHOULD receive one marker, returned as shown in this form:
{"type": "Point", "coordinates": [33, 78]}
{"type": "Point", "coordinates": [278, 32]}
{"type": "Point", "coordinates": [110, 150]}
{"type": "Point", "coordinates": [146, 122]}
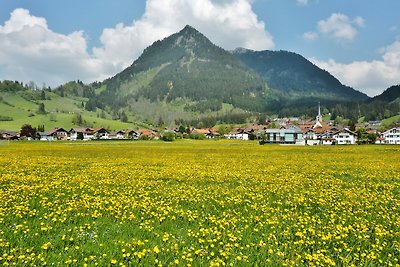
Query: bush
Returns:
{"type": "Point", "coordinates": [144, 137]}
{"type": "Point", "coordinates": [197, 136]}
{"type": "Point", "coordinates": [79, 136]}
{"type": "Point", "coordinates": [6, 118]}
{"type": "Point", "coordinates": [168, 137]}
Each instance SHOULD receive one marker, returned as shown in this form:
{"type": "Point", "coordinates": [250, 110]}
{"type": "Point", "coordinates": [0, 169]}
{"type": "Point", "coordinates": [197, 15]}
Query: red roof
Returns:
{"type": "Point", "coordinates": [147, 132]}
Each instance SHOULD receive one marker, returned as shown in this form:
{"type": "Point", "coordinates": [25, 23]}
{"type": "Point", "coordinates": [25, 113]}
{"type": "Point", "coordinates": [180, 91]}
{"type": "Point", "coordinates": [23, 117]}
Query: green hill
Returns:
{"type": "Point", "coordinates": [20, 105]}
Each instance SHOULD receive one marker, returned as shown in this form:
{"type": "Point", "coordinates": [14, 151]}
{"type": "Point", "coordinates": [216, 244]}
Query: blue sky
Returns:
{"type": "Point", "coordinates": [50, 41]}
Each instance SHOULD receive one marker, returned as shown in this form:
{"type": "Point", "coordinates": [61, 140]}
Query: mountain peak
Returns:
{"type": "Point", "coordinates": [190, 32]}
{"type": "Point", "coordinates": [189, 29]}
{"type": "Point", "coordinates": [189, 37]}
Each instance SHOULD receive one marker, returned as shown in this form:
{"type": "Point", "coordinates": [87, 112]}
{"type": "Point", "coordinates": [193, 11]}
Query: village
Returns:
{"type": "Point", "coordinates": [279, 131]}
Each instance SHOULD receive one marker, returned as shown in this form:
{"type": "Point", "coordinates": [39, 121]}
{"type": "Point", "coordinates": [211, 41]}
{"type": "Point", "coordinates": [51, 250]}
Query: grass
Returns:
{"type": "Point", "coordinates": [60, 113]}
{"type": "Point", "coordinates": [198, 203]}
{"type": "Point", "coordinates": [391, 120]}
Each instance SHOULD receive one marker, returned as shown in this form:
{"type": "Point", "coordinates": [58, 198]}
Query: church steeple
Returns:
{"type": "Point", "coordinates": [318, 119]}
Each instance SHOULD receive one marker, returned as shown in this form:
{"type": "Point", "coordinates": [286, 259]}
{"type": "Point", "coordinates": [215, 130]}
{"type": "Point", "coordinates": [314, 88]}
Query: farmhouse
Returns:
{"type": "Point", "coordinates": [392, 136]}
{"type": "Point", "coordinates": [207, 132]}
{"type": "Point", "coordinates": [117, 135]}
{"type": "Point", "coordinates": [88, 133]}
{"type": "Point", "coordinates": [238, 134]}
{"type": "Point", "coordinates": [150, 134]}
{"type": "Point", "coordinates": [345, 137]}
{"type": "Point", "coordinates": [11, 135]}
{"type": "Point", "coordinates": [56, 134]}
{"type": "Point", "coordinates": [131, 134]}
{"type": "Point", "coordinates": [44, 136]}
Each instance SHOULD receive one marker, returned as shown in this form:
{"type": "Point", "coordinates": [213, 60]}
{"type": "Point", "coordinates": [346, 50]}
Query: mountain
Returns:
{"type": "Point", "coordinates": [185, 78]}
{"type": "Point", "coordinates": [185, 75]}
{"type": "Point", "coordinates": [186, 68]}
{"type": "Point", "coordinates": [295, 77]}
{"type": "Point", "coordinates": [389, 95]}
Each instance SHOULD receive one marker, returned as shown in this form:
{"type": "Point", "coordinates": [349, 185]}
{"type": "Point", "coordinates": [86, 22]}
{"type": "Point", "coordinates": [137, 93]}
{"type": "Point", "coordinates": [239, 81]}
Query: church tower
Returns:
{"type": "Point", "coordinates": [318, 119]}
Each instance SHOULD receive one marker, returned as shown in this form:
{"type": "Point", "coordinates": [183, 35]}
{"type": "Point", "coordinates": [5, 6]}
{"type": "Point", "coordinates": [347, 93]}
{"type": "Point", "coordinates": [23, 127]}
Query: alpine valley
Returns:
{"type": "Point", "coordinates": [186, 79]}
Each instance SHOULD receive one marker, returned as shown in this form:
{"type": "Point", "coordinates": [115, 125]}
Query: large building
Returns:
{"type": "Point", "coordinates": [290, 135]}
{"type": "Point", "coordinates": [391, 136]}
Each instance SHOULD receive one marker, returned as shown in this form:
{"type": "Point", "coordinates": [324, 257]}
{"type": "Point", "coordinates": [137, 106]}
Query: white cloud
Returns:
{"type": "Point", "coordinates": [370, 77]}
{"type": "Point", "coordinates": [340, 27]}
{"type": "Point", "coordinates": [359, 21]}
{"type": "Point", "coordinates": [310, 36]}
{"type": "Point", "coordinates": [228, 23]}
{"type": "Point", "coordinates": [29, 50]}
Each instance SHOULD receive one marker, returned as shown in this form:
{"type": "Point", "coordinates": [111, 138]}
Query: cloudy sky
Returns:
{"type": "Point", "coordinates": [52, 42]}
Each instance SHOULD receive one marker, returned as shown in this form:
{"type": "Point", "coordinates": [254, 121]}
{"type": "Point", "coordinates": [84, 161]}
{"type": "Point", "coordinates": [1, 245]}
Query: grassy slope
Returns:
{"type": "Point", "coordinates": [391, 120]}
{"type": "Point", "coordinates": [61, 112]}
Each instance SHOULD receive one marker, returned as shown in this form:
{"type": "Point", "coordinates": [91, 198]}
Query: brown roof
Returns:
{"type": "Point", "coordinates": [325, 127]}
{"type": "Point", "coordinates": [255, 128]}
{"type": "Point", "coordinates": [202, 131]}
{"type": "Point", "coordinates": [56, 130]}
{"type": "Point", "coordinates": [80, 130]}
{"type": "Point", "coordinates": [95, 130]}
{"type": "Point", "coordinates": [147, 132]}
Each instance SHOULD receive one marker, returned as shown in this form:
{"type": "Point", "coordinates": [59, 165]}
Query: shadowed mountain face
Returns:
{"type": "Point", "coordinates": [389, 95]}
{"type": "Point", "coordinates": [294, 77]}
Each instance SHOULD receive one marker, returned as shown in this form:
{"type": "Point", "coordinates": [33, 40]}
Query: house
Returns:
{"type": "Point", "coordinates": [148, 134]}
{"type": "Point", "coordinates": [44, 136]}
{"type": "Point", "coordinates": [88, 133]}
{"type": "Point", "coordinates": [256, 130]}
{"type": "Point", "coordinates": [56, 134]}
{"type": "Point", "coordinates": [131, 134]}
{"type": "Point", "coordinates": [117, 135]}
{"type": "Point", "coordinates": [75, 132]}
{"type": "Point", "coordinates": [345, 137]}
{"type": "Point", "coordinates": [207, 132]}
{"type": "Point", "coordinates": [289, 135]}
{"type": "Point", "coordinates": [392, 136]}
{"type": "Point", "coordinates": [238, 134]}
{"type": "Point", "coordinates": [310, 136]}
{"type": "Point", "coordinates": [10, 135]}
{"type": "Point", "coordinates": [99, 133]}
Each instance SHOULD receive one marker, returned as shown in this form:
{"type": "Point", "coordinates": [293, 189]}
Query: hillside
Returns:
{"type": "Point", "coordinates": [20, 105]}
{"type": "Point", "coordinates": [295, 77]}
{"type": "Point", "coordinates": [389, 95]}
